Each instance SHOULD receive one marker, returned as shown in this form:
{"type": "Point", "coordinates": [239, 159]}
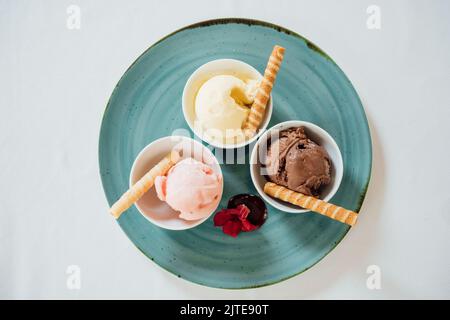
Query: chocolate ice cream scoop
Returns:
{"type": "Point", "coordinates": [298, 163]}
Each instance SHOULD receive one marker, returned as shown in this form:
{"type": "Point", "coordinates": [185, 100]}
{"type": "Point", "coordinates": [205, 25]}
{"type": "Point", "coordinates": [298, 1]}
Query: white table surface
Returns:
{"type": "Point", "coordinates": [55, 82]}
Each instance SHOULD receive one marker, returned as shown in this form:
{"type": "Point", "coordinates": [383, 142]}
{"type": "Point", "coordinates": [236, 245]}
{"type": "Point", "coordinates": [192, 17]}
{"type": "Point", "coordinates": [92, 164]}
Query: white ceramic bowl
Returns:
{"type": "Point", "coordinates": [207, 71]}
{"type": "Point", "coordinates": [155, 210]}
{"type": "Point", "coordinates": [316, 134]}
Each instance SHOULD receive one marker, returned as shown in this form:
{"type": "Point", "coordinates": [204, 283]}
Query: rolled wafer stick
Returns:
{"type": "Point", "coordinates": [258, 108]}
{"type": "Point", "coordinates": [144, 184]}
{"type": "Point", "coordinates": [327, 209]}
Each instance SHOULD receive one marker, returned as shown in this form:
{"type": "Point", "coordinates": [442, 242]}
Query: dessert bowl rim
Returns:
{"type": "Point", "coordinates": [184, 104]}
{"type": "Point", "coordinates": [337, 165]}
{"type": "Point", "coordinates": [148, 149]}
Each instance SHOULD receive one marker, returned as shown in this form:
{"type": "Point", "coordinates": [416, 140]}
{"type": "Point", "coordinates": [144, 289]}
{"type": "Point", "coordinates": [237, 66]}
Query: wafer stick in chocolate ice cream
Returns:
{"type": "Point", "coordinates": [258, 108]}
{"type": "Point", "coordinates": [144, 184]}
{"type": "Point", "coordinates": [327, 209]}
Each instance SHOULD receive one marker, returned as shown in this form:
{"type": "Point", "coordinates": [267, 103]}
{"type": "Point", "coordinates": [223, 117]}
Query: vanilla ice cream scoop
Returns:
{"type": "Point", "coordinates": [222, 105]}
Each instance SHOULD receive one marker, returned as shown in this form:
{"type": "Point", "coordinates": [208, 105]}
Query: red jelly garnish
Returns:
{"type": "Point", "coordinates": [256, 205]}
{"type": "Point", "coordinates": [245, 212]}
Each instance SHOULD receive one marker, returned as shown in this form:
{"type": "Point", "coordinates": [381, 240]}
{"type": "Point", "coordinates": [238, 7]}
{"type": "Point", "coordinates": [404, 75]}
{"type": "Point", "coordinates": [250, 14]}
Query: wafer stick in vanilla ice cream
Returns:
{"type": "Point", "coordinates": [144, 184]}
{"type": "Point", "coordinates": [327, 209]}
{"type": "Point", "coordinates": [258, 108]}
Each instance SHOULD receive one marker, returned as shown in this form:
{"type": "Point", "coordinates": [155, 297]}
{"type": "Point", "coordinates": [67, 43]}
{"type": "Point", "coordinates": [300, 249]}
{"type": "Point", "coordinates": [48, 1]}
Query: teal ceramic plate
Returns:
{"type": "Point", "coordinates": [146, 105]}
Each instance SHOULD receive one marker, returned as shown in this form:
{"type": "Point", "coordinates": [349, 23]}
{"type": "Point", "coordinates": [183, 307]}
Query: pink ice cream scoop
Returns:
{"type": "Point", "coordinates": [191, 187]}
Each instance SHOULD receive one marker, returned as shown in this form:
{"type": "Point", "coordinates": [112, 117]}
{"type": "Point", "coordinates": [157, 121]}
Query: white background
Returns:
{"type": "Point", "coordinates": [54, 85]}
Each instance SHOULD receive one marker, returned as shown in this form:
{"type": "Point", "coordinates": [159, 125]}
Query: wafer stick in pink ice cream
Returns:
{"type": "Point", "coordinates": [144, 184]}
{"type": "Point", "coordinates": [258, 108]}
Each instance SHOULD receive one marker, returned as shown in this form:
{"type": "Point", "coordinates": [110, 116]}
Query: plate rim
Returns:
{"type": "Point", "coordinates": [312, 46]}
